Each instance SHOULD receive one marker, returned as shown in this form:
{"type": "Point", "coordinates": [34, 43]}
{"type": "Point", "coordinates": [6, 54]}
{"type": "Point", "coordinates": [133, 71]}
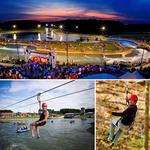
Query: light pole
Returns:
{"type": "Point", "coordinates": [14, 26]}
{"type": "Point", "coordinates": [39, 26]}
{"type": "Point", "coordinates": [15, 39]}
{"type": "Point", "coordinates": [52, 25]}
{"type": "Point", "coordinates": [61, 28]}
{"type": "Point", "coordinates": [142, 59]}
{"type": "Point", "coordinates": [77, 27]}
{"type": "Point", "coordinates": [67, 46]}
{"type": "Point", "coordinates": [52, 31]}
{"type": "Point", "coordinates": [103, 29]}
{"type": "Point", "coordinates": [14, 34]}
{"type": "Point", "coordinates": [39, 35]}
{"type": "Point", "coordinates": [46, 30]}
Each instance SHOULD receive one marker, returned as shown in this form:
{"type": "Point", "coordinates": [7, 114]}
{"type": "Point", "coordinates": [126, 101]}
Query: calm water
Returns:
{"type": "Point", "coordinates": [23, 36]}
{"type": "Point", "coordinates": [59, 135]}
{"type": "Point", "coordinates": [34, 36]}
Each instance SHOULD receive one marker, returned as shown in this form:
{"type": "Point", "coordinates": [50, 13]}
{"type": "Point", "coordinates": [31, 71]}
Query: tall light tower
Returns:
{"type": "Point", "coordinates": [14, 34]}
{"type": "Point", "coordinates": [15, 39]}
{"type": "Point", "coordinates": [77, 27]}
{"type": "Point", "coordinates": [46, 30]}
{"type": "Point", "coordinates": [61, 28]}
{"type": "Point", "coordinates": [103, 29]}
{"type": "Point", "coordinates": [52, 31]}
{"type": "Point", "coordinates": [39, 34]}
{"type": "Point", "coordinates": [14, 26]}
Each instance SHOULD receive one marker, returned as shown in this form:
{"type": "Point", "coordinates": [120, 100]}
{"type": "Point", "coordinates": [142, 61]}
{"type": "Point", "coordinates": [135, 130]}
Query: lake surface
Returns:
{"type": "Point", "coordinates": [59, 135]}
{"type": "Point", "coordinates": [36, 36]}
{"type": "Point", "coordinates": [23, 36]}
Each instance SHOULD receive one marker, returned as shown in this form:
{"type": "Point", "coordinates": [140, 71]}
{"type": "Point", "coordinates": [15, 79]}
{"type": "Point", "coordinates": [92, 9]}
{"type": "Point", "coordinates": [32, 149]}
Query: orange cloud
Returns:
{"type": "Point", "coordinates": [63, 11]}
{"type": "Point", "coordinates": [42, 17]}
{"type": "Point", "coordinates": [103, 15]}
{"type": "Point", "coordinates": [56, 11]}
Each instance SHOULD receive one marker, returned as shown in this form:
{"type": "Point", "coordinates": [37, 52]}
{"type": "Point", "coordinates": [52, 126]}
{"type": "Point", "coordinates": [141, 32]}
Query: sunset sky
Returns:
{"type": "Point", "coordinates": [45, 10]}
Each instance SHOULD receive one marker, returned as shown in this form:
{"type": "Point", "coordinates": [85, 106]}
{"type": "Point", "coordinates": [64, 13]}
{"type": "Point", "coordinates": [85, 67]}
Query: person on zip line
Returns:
{"type": "Point", "coordinates": [126, 120]}
{"type": "Point", "coordinates": [44, 114]}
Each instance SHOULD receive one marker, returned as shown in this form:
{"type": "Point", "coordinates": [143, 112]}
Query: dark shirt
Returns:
{"type": "Point", "coordinates": [42, 116]}
{"type": "Point", "coordinates": [128, 115]}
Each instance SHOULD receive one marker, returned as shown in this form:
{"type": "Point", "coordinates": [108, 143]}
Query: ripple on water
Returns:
{"type": "Point", "coordinates": [17, 146]}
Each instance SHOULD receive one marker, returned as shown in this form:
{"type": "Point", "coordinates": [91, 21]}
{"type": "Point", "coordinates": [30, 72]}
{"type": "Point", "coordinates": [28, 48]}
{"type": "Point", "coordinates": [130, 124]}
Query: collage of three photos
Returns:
{"type": "Point", "coordinates": [74, 75]}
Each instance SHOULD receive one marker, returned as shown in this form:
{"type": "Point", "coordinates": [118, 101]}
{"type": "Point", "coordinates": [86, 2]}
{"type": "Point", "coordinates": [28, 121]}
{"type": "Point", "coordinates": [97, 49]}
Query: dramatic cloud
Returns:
{"type": "Point", "coordinates": [19, 90]}
{"type": "Point", "coordinates": [124, 10]}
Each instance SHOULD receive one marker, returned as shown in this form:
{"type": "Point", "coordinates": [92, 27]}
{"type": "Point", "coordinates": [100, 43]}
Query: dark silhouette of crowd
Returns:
{"type": "Point", "coordinates": [36, 70]}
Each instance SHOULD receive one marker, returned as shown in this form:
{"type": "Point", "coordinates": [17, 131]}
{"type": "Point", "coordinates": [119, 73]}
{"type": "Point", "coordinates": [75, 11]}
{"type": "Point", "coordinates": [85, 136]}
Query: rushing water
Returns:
{"type": "Point", "coordinates": [59, 135]}
{"type": "Point", "coordinates": [125, 42]}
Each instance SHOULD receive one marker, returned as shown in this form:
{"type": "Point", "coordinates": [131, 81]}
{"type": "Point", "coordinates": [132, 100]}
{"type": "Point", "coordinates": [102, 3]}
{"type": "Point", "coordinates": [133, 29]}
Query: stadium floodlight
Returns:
{"type": "Point", "coordinates": [39, 25]}
{"type": "Point", "coordinates": [103, 28]}
{"type": "Point", "coordinates": [60, 26]}
{"type": "Point", "coordinates": [77, 27]}
{"type": "Point", "coordinates": [14, 26]}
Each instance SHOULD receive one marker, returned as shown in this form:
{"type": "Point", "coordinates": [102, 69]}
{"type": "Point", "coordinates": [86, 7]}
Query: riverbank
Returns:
{"type": "Point", "coordinates": [33, 118]}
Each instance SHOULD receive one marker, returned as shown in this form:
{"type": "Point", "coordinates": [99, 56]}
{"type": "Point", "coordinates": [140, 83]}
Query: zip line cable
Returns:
{"type": "Point", "coordinates": [126, 92]}
{"type": "Point", "coordinates": [64, 95]}
{"type": "Point", "coordinates": [57, 87]}
{"type": "Point", "coordinates": [40, 93]}
{"type": "Point", "coordinates": [70, 93]}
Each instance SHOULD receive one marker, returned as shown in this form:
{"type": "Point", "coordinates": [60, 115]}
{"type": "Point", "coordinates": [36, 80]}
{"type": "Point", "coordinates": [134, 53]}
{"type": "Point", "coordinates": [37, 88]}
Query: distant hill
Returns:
{"type": "Point", "coordinates": [86, 26]}
{"type": "Point", "coordinates": [20, 24]}
{"type": "Point", "coordinates": [91, 26]}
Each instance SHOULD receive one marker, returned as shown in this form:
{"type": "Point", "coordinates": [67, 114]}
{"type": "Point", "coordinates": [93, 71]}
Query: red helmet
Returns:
{"type": "Point", "coordinates": [133, 97]}
{"type": "Point", "coordinates": [44, 105]}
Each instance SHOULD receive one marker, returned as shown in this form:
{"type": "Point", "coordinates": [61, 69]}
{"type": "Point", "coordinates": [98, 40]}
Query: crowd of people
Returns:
{"type": "Point", "coordinates": [36, 70]}
{"type": "Point", "coordinates": [39, 70]}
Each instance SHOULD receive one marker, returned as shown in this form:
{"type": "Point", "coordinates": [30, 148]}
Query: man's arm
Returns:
{"type": "Point", "coordinates": [121, 114]}
{"type": "Point", "coordinates": [117, 114]}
